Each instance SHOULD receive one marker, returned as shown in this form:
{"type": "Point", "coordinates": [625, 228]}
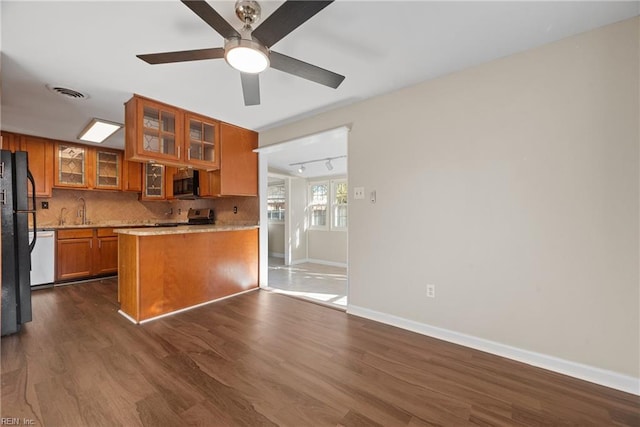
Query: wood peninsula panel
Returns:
{"type": "Point", "coordinates": [127, 274]}
{"type": "Point", "coordinates": [169, 272]}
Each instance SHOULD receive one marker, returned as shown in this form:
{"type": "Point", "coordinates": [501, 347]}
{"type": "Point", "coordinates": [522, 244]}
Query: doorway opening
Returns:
{"type": "Point", "coordinates": [305, 204]}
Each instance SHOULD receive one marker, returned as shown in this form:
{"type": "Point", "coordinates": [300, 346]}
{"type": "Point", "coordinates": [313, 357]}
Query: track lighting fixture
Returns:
{"type": "Point", "coordinates": [326, 160]}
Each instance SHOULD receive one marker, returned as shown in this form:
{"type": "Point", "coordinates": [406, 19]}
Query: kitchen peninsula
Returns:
{"type": "Point", "coordinates": [164, 270]}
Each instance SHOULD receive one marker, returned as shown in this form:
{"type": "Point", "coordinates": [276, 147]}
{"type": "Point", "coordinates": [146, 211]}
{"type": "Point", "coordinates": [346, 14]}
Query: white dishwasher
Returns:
{"type": "Point", "coordinates": [43, 257]}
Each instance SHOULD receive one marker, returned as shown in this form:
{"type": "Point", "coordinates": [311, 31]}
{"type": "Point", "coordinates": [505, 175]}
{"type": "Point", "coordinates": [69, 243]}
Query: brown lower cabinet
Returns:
{"type": "Point", "coordinates": [83, 253]}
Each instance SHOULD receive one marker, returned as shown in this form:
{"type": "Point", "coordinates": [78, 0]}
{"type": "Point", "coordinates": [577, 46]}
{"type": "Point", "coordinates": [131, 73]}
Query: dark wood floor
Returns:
{"type": "Point", "coordinates": [268, 359]}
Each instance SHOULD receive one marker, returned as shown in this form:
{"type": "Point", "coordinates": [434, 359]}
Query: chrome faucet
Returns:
{"type": "Point", "coordinates": [61, 219]}
{"type": "Point", "coordinates": [84, 210]}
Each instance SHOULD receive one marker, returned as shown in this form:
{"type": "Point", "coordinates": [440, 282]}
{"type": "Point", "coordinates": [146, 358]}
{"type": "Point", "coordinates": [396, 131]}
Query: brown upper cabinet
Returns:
{"type": "Point", "coordinates": [153, 131]}
{"type": "Point", "coordinates": [157, 182]}
{"type": "Point", "coordinates": [60, 164]}
{"type": "Point", "coordinates": [108, 170]}
{"type": "Point", "coordinates": [10, 141]}
{"type": "Point", "coordinates": [169, 135]}
{"type": "Point", "coordinates": [132, 176]}
{"type": "Point", "coordinates": [71, 165]}
{"type": "Point", "coordinates": [201, 141]}
{"type": "Point", "coordinates": [82, 166]}
{"type": "Point", "coordinates": [238, 172]}
{"type": "Point", "coordinates": [40, 154]}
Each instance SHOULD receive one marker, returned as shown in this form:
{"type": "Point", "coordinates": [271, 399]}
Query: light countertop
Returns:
{"type": "Point", "coordinates": [107, 224]}
{"type": "Point", "coordinates": [182, 229]}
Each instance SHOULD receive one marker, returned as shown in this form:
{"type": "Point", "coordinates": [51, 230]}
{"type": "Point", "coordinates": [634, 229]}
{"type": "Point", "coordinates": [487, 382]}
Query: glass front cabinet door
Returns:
{"type": "Point", "coordinates": [157, 130]}
{"type": "Point", "coordinates": [108, 169]}
{"type": "Point", "coordinates": [201, 141]}
{"type": "Point", "coordinates": [153, 182]}
{"type": "Point", "coordinates": [70, 167]}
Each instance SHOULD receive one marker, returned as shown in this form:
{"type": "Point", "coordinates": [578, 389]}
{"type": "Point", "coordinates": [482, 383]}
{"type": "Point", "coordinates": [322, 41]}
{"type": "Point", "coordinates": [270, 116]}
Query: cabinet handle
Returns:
{"type": "Point", "coordinates": [178, 151]}
{"type": "Point", "coordinates": [99, 244]}
{"type": "Point", "coordinates": [189, 154]}
{"type": "Point", "coordinates": [90, 244]}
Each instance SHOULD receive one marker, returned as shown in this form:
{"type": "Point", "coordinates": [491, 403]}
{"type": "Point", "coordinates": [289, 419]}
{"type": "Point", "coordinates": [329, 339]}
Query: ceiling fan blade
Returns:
{"type": "Point", "coordinates": [211, 17]}
{"type": "Point", "coordinates": [287, 18]}
{"type": "Point", "coordinates": [183, 55]}
{"type": "Point", "coordinates": [250, 88]}
{"type": "Point", "coordinates": [305, 70]}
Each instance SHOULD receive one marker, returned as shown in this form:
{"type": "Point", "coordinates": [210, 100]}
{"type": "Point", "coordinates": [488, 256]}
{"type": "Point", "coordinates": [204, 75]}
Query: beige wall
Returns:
{"type": "Point", "coordinates": [328, 246]}
{"type": "Point", "coordinates": [513, 187]}
{"type": "Point", "coordinates": [276, 238]}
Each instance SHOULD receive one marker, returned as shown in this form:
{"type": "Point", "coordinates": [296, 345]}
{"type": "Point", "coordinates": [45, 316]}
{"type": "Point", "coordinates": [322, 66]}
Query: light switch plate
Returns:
{"type": "Point", "coordinates": [358, 193]}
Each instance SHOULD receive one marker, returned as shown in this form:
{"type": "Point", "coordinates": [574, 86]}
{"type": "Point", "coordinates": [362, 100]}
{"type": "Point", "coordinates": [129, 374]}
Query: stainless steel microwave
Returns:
{"type": "Point", "coordinates": [186, 184]}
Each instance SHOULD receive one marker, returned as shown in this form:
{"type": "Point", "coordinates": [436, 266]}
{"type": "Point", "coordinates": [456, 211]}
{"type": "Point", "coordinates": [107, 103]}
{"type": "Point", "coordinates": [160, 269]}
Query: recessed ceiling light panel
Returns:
{"type": "Point", "coordinates": [98, 130]}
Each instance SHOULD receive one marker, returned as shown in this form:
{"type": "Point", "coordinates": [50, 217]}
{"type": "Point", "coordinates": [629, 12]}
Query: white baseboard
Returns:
{"type": "Point", "coordinates": [126, 316]}
{"type": "Point", "coordinates": [330, 263]}
{"type": "Point", "coordinates": [319, 261]}
{"type": "Point", "coordinates": [584, 372]}
{"type": "Point", "coordinates": [276, 255]}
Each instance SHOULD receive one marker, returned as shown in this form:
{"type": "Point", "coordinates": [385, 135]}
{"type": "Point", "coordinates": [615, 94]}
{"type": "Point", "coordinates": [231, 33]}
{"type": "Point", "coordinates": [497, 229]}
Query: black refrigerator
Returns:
{"type": "Point", "coordinates": [16, 248]}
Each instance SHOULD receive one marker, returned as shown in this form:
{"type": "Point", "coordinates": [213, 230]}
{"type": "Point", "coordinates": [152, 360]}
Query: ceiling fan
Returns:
{"type": "Point", "coordinates": [249, 50]}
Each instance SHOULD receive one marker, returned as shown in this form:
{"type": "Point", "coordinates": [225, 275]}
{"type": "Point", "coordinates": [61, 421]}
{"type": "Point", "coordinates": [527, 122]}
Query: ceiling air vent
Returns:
{"type": "Point", "coordinates": [66, 92]}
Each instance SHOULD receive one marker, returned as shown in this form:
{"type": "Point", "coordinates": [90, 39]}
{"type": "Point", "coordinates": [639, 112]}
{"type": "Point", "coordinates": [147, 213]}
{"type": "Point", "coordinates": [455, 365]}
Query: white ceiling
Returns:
{"type": "Point", "coordinates": [90, 46]}
{"type": "Point", "coordinates": [313, 151]}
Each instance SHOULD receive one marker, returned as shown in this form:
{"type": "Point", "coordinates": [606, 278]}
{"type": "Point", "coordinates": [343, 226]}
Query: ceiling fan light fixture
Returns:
{"type": "Point", "coordinates": [246, 56]}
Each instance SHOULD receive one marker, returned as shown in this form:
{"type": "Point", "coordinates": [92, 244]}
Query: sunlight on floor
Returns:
{"type": "Point", "coordinates": [316, 282]}
{"type": "Point", "coordinates": [312, 295]}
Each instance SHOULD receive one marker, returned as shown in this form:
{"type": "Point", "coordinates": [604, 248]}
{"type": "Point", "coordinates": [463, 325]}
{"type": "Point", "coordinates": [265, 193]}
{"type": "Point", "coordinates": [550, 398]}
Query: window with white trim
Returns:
{"type": "Point", "coordinates": [276, 203]}
{"type": "Point", "coordinates": [318, 200]}
{"type": "Point", "coordinates": [339, 212]}
{"type": "Point", "coordinates": [328, 205]}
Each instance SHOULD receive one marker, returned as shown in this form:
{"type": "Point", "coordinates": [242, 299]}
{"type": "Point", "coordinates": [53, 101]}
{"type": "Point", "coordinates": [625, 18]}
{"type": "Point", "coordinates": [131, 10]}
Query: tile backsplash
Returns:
{"type": "Point", "coordinates": [107, 207]}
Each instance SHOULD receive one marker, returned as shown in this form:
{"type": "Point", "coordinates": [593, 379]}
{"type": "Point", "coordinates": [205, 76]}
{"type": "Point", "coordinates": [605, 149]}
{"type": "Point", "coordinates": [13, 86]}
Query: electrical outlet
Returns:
{"type": "Point", "coordinates": [431, 291]}
{"type": "Point", "coordinates": [235, 209]}
{"type": "Point", "coordinates": [358, 193]}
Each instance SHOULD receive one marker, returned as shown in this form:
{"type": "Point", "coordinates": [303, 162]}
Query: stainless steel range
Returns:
{"type": "Point", "coordinates": [200, 216]}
